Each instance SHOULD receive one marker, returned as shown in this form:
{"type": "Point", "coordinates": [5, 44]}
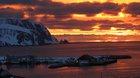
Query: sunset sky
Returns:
{"type": "Point", "coordinates": [75, 17]}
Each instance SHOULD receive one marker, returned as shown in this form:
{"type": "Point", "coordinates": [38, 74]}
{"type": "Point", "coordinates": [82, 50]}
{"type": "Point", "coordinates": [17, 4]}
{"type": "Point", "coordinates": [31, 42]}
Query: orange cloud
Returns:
{"type": "Point", "coordinates": [93, 32]}
{"type": "Point", "coordinates": [97, 17]}
{"type": "Point", "coordinates": [17, 6]}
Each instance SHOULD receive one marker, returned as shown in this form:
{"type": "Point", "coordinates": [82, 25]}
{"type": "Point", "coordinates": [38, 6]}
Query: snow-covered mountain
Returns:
{"type": "Point", "coordinates": [24, 32]}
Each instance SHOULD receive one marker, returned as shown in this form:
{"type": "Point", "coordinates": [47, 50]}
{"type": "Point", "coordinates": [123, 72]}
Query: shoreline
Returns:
{"type": "Point", "coordinates": [30, 59]}
{"type": "Point", "coordinates": [12, 46]}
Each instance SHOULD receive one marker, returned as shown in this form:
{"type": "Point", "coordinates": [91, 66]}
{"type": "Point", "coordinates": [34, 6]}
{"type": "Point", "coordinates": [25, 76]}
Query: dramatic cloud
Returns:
{"type": "Point", "coordinates": [25, 2]}
{"type": "Point", "coordinates": [8, 12]}
{"type": "Point", "coordinates": [14, 1]}
{"type": "Point", "coordinates": [120, 26]}
{"type": "Point", "coordinates": [60, 9]}
{"type": "Point", "coordinates": [89, 25]}
{"type": "Point", "coordinates": [65, 10]}
{"type": "Point", "coordinates": [111, 8]}
{"type": "Point", "coordinates": [133, 8]}
{"type": "Point", "coordinates": [71, 24]}
{"type": "Point", "coordinates": [61, 13]}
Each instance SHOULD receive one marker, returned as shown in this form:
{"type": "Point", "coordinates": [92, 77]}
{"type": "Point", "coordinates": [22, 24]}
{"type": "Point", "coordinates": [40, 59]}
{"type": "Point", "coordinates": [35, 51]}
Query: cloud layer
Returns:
{"type": "Point", "coordinates": [89, 25]}
{"type": "Point", "coordinates": [62, 11]}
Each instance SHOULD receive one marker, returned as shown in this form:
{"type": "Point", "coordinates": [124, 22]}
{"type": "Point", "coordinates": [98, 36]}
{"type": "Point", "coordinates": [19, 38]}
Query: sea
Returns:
{"type": "Point", "coordinates": [125, 68]}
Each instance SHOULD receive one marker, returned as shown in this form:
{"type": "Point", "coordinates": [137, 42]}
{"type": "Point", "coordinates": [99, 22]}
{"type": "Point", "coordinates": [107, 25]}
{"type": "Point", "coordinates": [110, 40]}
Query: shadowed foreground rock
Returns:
{"type": "Point", "coordinates": [87, 60]}
{"type": "Point", "coordinates": [56, 62]}
{"type": "Point", "coordinates": [6, 74]}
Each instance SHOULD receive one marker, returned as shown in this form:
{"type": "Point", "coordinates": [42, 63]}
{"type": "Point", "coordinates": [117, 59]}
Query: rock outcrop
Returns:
{"type": "Point", "coordinates": [21, 32]}
{"type": "Point", "coordinates": [56, 62]}
{"type": "Point", "coordinates": [64, 41]}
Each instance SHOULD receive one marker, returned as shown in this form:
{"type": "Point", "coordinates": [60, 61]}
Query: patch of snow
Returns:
{"type": "Point", "coordinates": [24, 32]}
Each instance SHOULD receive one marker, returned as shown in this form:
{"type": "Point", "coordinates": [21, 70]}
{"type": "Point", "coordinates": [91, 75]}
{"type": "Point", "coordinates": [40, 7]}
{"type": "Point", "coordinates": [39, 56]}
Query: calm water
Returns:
{"type": "Point", "coordinates": [129, 68]}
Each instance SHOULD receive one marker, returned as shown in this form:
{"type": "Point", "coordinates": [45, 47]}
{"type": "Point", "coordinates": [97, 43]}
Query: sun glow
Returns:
{"type": "Point", "coordinates": [120, 16]}
{"type": "Point", "coordinates": [103, 15]}
{"type": "Point", "coordinates": [17, 6]}
{"type": "Point", "coordinates": [26, 15]}
{"type": "Point", "coordinates": [112, 31]}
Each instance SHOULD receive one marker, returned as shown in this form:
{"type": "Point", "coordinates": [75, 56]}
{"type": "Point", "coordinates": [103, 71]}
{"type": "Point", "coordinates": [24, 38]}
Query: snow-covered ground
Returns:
{"type": "Point", "coordinates": [24, 32]}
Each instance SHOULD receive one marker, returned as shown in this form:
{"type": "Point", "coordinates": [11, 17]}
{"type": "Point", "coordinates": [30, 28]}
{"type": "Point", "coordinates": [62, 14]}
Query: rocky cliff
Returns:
{"type": "Point", "coordinates": [24, 32]}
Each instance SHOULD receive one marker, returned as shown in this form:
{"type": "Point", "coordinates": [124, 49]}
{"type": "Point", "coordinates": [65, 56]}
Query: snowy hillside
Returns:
{"type": "Point", "coordinates": [24, 32]}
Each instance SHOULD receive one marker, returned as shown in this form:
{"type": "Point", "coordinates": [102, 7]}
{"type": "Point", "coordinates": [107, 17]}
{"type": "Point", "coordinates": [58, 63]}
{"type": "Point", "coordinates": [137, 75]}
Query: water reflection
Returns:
{"type": "Point", "coordinates": [122, 69]}
{"type": "Point", "coordinates": [118, 70]}
{"type": "Point", "coordinates": [12, 66]}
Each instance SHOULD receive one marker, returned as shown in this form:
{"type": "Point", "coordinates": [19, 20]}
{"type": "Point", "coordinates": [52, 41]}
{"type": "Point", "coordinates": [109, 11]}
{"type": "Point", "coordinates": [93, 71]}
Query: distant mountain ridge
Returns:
{"type": "Point", "coordinates": [24, 32]}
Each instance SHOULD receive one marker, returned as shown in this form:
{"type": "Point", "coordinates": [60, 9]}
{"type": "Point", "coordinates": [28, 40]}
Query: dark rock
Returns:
{"type": "Point", "coordinates": [86, 57]}
{"type": "Point", "coordinates": [86, 60]}
{"type": "Point", "coordinates": [64, 41]}
{"type": "Point", "coordinates": [71, 62]}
